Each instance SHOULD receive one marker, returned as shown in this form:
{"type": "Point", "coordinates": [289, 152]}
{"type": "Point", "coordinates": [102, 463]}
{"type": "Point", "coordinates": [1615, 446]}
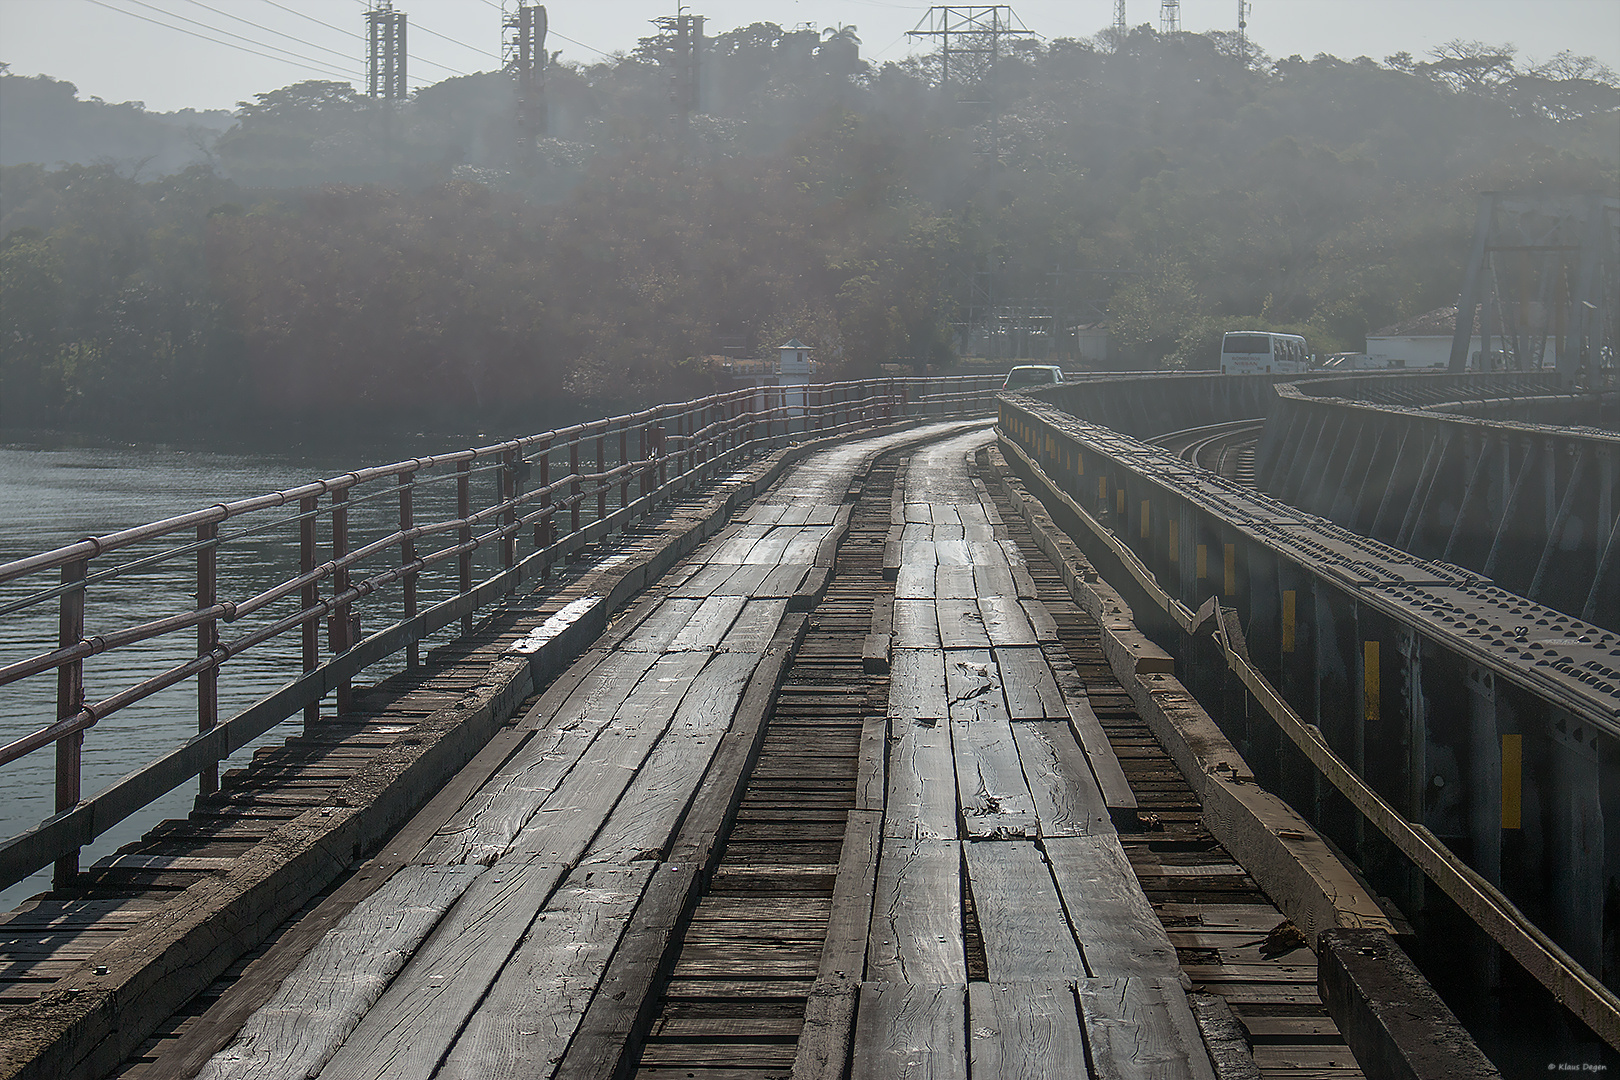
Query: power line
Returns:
{"type": "Point", "coordinates": [227, 33]}
{"type": "Point", "coordinates": [266, 29]}
{"type": "Point", "coordinates": [312, 65]}
{"type": "Point", "coordinates": [472, 48]}
{"type": "Point", "coordinates": [313, 19]}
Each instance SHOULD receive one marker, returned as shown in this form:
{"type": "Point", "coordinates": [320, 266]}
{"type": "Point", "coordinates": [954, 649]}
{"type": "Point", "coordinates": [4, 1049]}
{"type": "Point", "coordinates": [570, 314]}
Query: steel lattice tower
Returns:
{"type": "Point", "coordinates": [686, 76]}
{"type": "Point", "coordinates": [524, 53]}
{"type": "Point", "coordinates": [1169, 16]}
{"type": "Point", "coordinates": [385, 52]}
{"type": "Point", "coordinates": [1119, 18]}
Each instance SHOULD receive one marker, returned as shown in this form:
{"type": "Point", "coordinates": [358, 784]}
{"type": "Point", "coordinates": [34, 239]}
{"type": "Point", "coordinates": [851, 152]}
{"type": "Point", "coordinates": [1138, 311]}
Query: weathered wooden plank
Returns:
{"type": "Point", "coordinates": [922, 781]}
{"type": "Point", "coordinates": [1040, 619]}
{"type": "Point", "coordinates": [568, 819]}
{"type": "Point", "coordinates": [823, 1047]}
{"type": "Point", "coordinates": [993, 578]}
{"type": "Point", "coordinates": [1118, 931]}
{"type": "Point", "coordinates": [658, 629]}
{"type": "Point", "coordinates": [918, 552]}
{"type": "Point", "coordinates": [736, 548]}
{"type": "Point", "coordinates": [783, 580]}
{"type": "Point", "coordinates": [1031, 691]}
{"type": "Point", "coordinates": [955, 583]}
{"type": "Point", "coordinates": [843, 951]}
{"type": "Point", "coordinates": [1020, 916]}
{"type": "Point", "coordinates": [914, 581]}
{"type": "Point", "coordinates": [296, 1032]}
{"type": "Point", "coordinates": [185, 1055]}
{"type": "Point", "coordinates": [643, 823]}
{"type": "Point", "coordinates": [1027, 1029]}
{"type": "Point", "coordinates": [917, 684]}
{"type": "Point", "coordinates": [1067, 802]}
{"type": "Point", "coordinates": [534, 1007]}
{"type": "Point", "coordinates": [960, 625]}
{"type": "Point", "coordinates": [916, 625]}
{"type": "Point", "coordinates": [916, 934]}
{"type": "Point", "coordinates": [1005, 622]}
{"type": "Point", "coordinates": [708, 624]}
{"type": "Point", "coordinates": [708, 581]}
{"type": "Point", "coordinates": [973, 686]}
{"type": "Point", "coordinates": [919, 513]}
{"type": "Point", "coordinates": [755, 626]}
{"type": "Point", "coordinates": [951, 551]}
{"type": "Point", "coordinates": [871, 765]}
{"type": "Point", "coordinates": [1141, 1027]}
{"type": "Point", "coordinates": [413, 1023]}
{"type": "Point", "coordinates": [913, 1032]}
{"type": "Point", "coordinates": [774, 545]}
{"type": "Point", "coordinates": [1116, 789]}
{"type": "Point", "coordinates": [990, 785]}
{"type": "Point", "coordinates": [626, 996]}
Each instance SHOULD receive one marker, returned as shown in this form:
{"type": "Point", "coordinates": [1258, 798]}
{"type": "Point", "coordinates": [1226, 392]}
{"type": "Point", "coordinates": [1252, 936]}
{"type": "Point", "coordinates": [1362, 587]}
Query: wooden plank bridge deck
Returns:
{"type": "Point", "coordinates": [851, 791]}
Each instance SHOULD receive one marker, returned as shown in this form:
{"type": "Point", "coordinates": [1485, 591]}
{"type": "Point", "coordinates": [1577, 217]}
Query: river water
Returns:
{"type": "Point", "coordinates": [54, 491]}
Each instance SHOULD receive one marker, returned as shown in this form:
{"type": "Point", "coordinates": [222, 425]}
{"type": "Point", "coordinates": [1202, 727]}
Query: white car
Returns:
{"type": "Point", "coordinates": [1027, 375]}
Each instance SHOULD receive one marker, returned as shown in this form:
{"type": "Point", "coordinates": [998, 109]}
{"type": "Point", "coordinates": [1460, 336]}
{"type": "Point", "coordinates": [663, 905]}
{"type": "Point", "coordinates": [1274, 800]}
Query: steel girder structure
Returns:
{"type": "Point", "coordinates": [1543, 268]}
{"type": "Point", "coordinates": [1445, 731]}
{"type": "Point", "coordinates": [1531, 506]}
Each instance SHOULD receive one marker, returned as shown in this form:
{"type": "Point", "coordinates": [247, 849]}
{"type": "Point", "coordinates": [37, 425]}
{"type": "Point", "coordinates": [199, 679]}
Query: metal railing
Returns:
{"type": "Point", "coordinates": [377, 540]}
{"type": "Point", "coordinates": [1383, 672]}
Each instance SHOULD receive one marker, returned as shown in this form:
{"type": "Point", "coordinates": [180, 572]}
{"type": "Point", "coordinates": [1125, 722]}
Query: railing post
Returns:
{"type": "Point", "coordinates": [659, 441]}
{"type": "Point", "coordinates": [573, 485]}
{"type": "Point", "coordinates": [338, 624]}
{"type": "Point", "coordinates": [507, 492]}
{"type": "Point", "coordinates": [69, 699]}
{"type": "Point", "coordinates": [624, 460]}
{"type": "Point", "coordinates": [545, 533]}
{"type": "Point", "coordinates": [601, 487]}
{"type": "Point", "coordinates": [407, 555]}
{"type": "Point", "coordinates": [308, 509]}
{"type": "Point", "coordinates": [207, 639]}
{"type": "Point", "coordinates": [644, 455]}
{"type": "Point", "coordinates": [464, 511]}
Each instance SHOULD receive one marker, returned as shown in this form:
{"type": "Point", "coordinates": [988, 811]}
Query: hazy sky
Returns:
{"type": "Point", "coordinates": [109, 50]}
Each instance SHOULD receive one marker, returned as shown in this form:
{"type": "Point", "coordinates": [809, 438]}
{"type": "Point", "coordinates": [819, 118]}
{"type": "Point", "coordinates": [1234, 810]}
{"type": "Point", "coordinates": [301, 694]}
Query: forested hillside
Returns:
{"type": "Point", "coordinates": [419, 265]}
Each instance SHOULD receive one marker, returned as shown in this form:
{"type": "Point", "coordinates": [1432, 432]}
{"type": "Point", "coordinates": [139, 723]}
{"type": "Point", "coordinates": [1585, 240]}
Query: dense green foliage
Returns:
{"type": "Point", "coordinates": [415, 263]}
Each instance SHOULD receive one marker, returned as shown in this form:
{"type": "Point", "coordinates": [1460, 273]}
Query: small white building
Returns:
{"type": "Point", "coordinates": [794, 368]}
{"type": "Point", "coordinates": [1424, 341]}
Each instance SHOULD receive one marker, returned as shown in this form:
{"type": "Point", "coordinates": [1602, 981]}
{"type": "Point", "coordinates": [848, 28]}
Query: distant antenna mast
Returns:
{"type": "Point", "coordinates": [1245, 9]}
{"type": "Point", "coordinates": [686, 76]}
{"type": "Point", "coordinates": [385, 52]}
{"type": "Point", "coordinates": [1169, 16]}
{"type": "Point", "coordinates": [524, 53]}
{"type": "Point", "coordinates": [1119, 18]}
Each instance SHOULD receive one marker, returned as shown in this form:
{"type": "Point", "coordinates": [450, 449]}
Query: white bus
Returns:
{"type": "Point", "coordinates": [1255, 352]}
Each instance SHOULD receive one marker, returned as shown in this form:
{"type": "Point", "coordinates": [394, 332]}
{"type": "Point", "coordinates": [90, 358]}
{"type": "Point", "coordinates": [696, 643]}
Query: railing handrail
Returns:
{"type": "Point", "coordinates": [659, 451]}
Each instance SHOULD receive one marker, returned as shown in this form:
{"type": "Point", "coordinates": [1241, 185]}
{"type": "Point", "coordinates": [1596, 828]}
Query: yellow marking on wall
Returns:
{"type": "Point", "coordinates": [1231, 569]}
{"type": "Point", "coordinates": [1102, 489]}
{"type": "Point", "coordinates": [1119, 501]}
{"type": "Point", "coordinates": [1175, 541]}
{"type": "Point", "coordinates": [1079, 463]}
{"type": "Point", "coordinates": [1203, 561]}
{"type": "Point", "coordinates": [1288, 621]}
{"type": "Point", "coordinates": [1369, 680]}
{"type": "Point", "coordinates": [1512, 779]}
{"type": "Point", "coordinates": [1146, 532]}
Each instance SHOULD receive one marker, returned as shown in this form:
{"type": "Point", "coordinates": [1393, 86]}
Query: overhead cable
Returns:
{"type": "Point", "coordinates": [310, 65]}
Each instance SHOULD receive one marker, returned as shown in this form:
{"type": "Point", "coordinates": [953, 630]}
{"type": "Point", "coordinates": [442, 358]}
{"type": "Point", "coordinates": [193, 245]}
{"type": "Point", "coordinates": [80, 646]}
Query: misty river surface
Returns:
{"type": "Point", "coordinates": [53, 493]}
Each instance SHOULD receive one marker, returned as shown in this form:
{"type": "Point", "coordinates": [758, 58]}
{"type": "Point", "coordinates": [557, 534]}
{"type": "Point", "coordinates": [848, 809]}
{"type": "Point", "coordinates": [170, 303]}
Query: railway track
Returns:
{"type": "Point", "coordinates": [1228, 449]}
